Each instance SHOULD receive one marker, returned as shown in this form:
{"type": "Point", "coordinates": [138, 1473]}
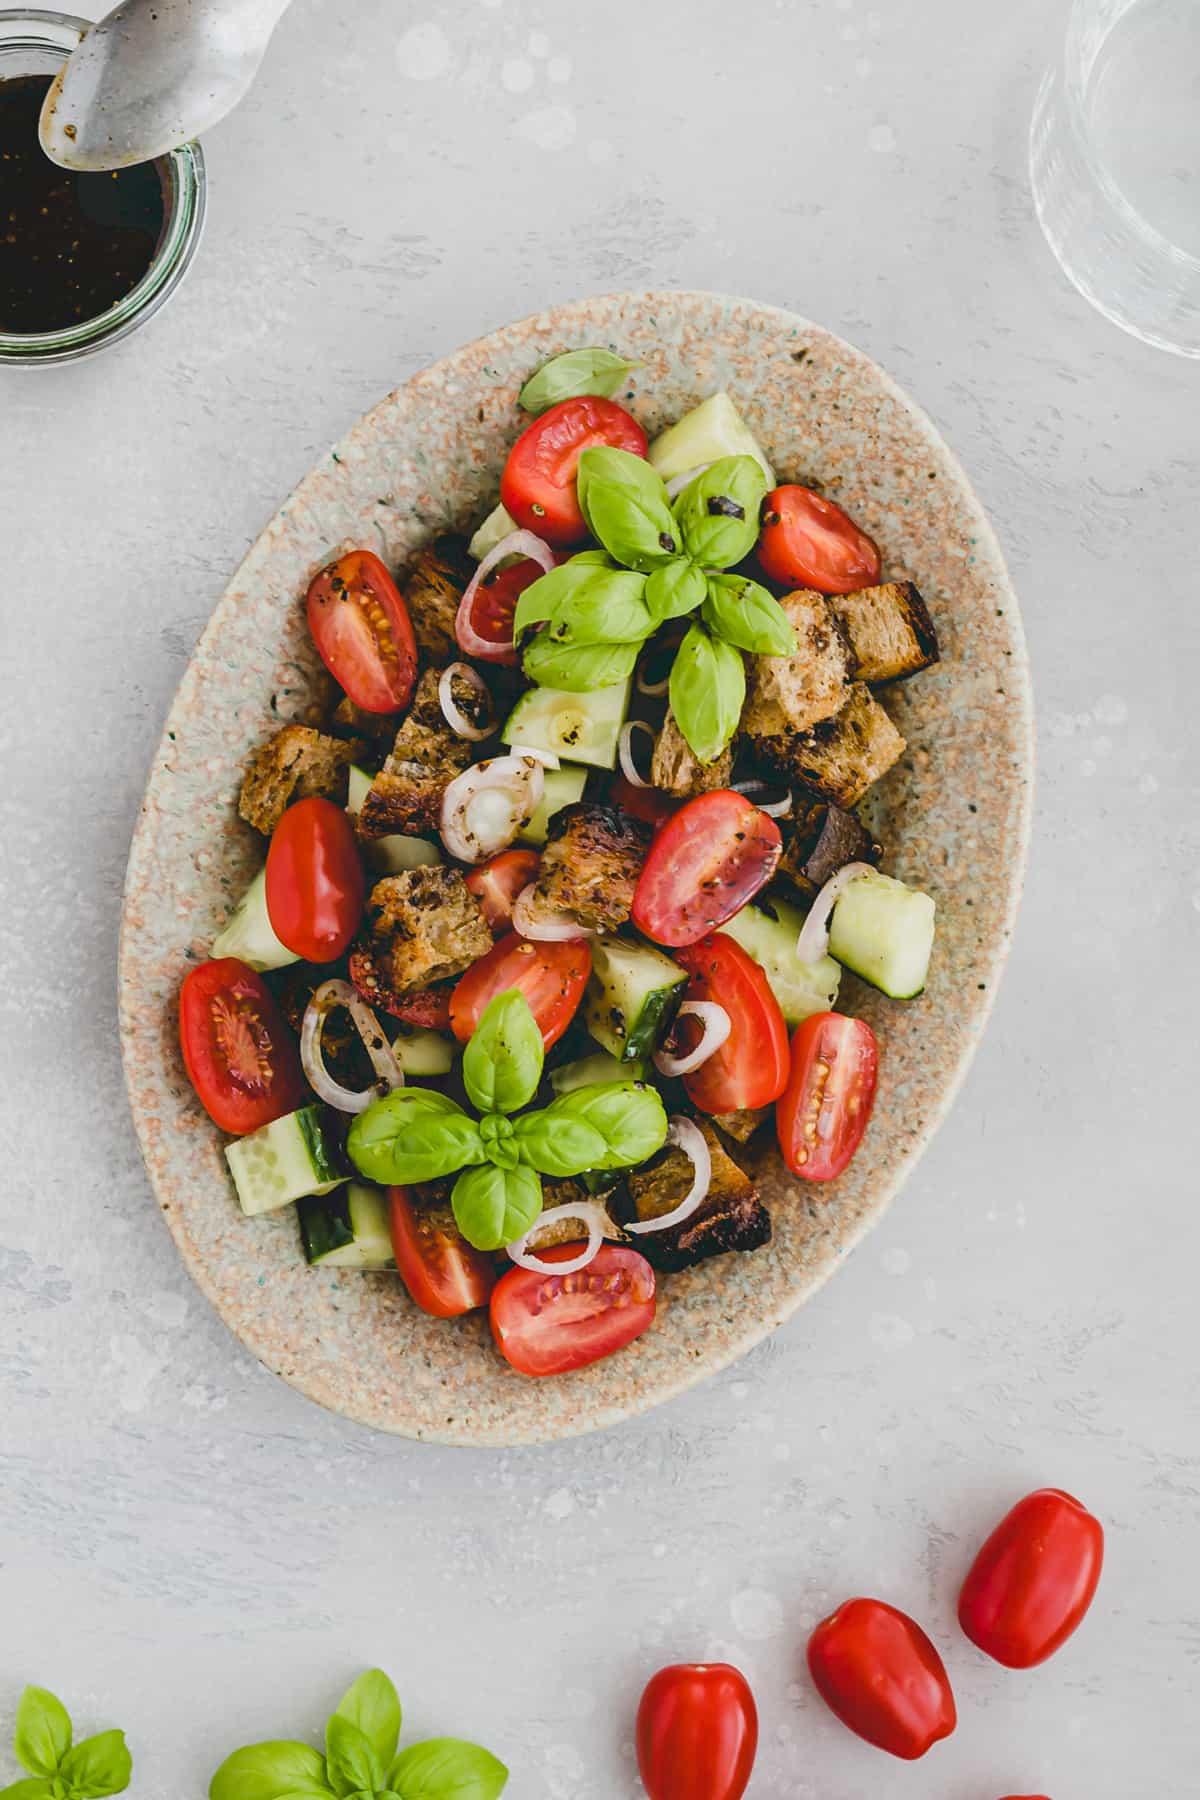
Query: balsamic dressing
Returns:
{"type": "Point", "coordinates": [71, 244]}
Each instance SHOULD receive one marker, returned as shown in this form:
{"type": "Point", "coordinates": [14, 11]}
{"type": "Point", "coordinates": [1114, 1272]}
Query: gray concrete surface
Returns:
{"type": "Point", "coordinates": [189, 1549]}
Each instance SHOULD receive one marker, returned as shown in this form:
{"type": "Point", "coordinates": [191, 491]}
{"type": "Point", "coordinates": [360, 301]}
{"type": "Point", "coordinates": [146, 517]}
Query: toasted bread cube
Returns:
{"type": "Point", "coordinates": [676, 769]}
{"type": "Point", "coordinates": [889, 630]}
{"type": "Point", "coordinates": [298, 763]}
{"type": "Point", "coordinates": [591, 863]}
{"type": "Point", "coordinates": [435, 583]}
{"type": "Point", "coordinates": [840, 757]}
{"type": "Point", "coordinates": [742, 1125]}
{"type": "Point", "coordinates": [571, 1231]}
{"type": "Point", "coordinates": [819, 841]}
{"type": "Point", "coordinates": [793, 693]}
{"type": "Point", "coordinates": [730, 1217]}
{"type": "Point", "coordinates": [406, 795]}
{"type": "Point", "coordinates": [424, 926]}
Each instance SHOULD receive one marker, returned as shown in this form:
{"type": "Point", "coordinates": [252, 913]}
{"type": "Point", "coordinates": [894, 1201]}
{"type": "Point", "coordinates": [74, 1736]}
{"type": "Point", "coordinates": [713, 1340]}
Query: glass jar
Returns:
{"type": "Point", "coordinates": [38, 43]}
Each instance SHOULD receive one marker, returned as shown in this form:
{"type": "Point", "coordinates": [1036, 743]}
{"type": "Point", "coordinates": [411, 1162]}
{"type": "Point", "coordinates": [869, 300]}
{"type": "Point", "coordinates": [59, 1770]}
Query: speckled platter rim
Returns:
{"type": "Point", "coordinates": [954, 815]}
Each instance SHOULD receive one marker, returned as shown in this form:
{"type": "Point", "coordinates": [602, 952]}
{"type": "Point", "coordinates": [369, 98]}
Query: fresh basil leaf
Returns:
{"type": "Point", "coordinates": [707, 692]}
{"type": "Point", "coordinates": [278, 1770]}
{"type": "Point", "coordinates": [608, 611]}
{"type": "Point", "coordinates": [42, 1735]}
{"type": "Point", "coordinates": [558, 1144]}
{"type": "Point", "coordinates": [718, 511]}
{"type": "Point", "coordinates": [402, 1138]}
{"type": "Point", "coordinates": [447, 1769]}
{"type": "Point", "coordinates": [99, 1766]}
{"type": "Point", "coordinates": [502, 1063]}
{"type": "Point", "coordinates": [627, 1115]}
{"type": "Point", "coordinates": [373, 1704]}
{"type": "Point", "coordinates": [579, 668]}
{"type": "Point", "coordinates": [744, 613]}
{"type": "Point", "coordinates": [543, 597]}
{"type": "Point", "coordinates": [494, 1207]}
{"type": "Point", "coordinates": [572, 374]}
{"type": "Point", "coordinates": [351, 1762]}
{"type": "Point", "coordinates": [499, 1141]}
{"type": "Point", "coordinates": [625, 504]}
{"type": "Point", "coordinates": [30, 1787]}
{"type": "Point", "coordinates": [678, 587]}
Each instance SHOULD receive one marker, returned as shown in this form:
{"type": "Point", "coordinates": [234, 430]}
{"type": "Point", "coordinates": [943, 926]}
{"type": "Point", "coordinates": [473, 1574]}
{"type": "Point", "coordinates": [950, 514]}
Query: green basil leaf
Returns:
{"type": "Point", "coordinates": [447, 1769]}
{"type": "Point", "coordinates": [718, 511]}
{"type": "Point", "coordinates": [373, 1704]}
{"type": "Point", "coordinates": [627, 1115]}
{"type": "Point", "coordinates": [351, 1762]}
{"type": "Point", "coordinates": [273, 1771]}
{"type": "Point", "coordinates": [99, 1766]}
{"type": "Point", "coordinates": [678, 587]}
{"type": "Point", "coordinates": [42, 1735]}
{"type": "Point", "coordinates": [542, 598]}
{"type": "Point", "coordinates": [743, 613]}
{"type": "Point", "coordinates": [707, 692]}
{"type": "Point", "coordinates": [558, 1144]}
{"type": "Point", "coordinates": [573, 373]}
{"type": "Point", "coordinates": [31, 1787]}
{"type": "Point", "coordinates": [502, 1063]}
{"type": "Point", "coordinates": [499, 1141]}
{"type": "Point", "coordinates": [402, 1138]}
{"type": "Point", "coordinates": [579, 668]}
{"type": "Point", "coordinates": [494, 1207]}
{"type": "Point", "coordinates": [625, 504]}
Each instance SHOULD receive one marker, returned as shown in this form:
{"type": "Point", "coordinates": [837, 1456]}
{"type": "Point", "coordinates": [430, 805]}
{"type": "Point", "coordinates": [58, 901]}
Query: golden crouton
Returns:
{"type": "Point", "coordinates": [730, 1217]}
{"type": "Point", "coordinates": [423, 927]}
{"type": "Point", "coordinates": [298, 763]}
{"type": "Point", "coordinates": [591, 863]}
{"type": "Point", "coordinates": [676, 769]}
{"type": "Point", "coordinates": [435, 583]}
{"type": "Point", "coordinates": [793, 693]}
{"type": "Point", "coordinates": [406, 795]}
{"type": "Point", "coordinates": [818, 841]}
{"type": "Point", "coordinates": [840, 757]}
{"type": "Point", "coordinates": [888, 629]}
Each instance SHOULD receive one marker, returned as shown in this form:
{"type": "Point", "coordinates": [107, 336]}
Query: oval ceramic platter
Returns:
{"type": "Point", "coordinates": [953, 817]}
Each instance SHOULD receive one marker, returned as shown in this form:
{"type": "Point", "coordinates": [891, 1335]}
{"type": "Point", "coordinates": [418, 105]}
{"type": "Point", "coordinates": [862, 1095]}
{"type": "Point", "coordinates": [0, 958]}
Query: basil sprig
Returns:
{"type": "Point", "coordinates": [60, 1769]}
{"type": "Point", "coordinates": [573, 374]}
{"type": "Point", "coordinates": [415, 1135]}
{"type": "Point", "coordinates": [361, 1760]}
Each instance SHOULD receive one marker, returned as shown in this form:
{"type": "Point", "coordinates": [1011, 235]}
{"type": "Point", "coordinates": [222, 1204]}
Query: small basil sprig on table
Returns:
{"type": "Point", "coordinates": [573, 374]}
{"type": "Point", "coordinates": [60, 1769]}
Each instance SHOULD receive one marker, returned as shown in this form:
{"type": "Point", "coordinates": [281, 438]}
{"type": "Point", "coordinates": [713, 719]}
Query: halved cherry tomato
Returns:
{"type": "Point", "coordinates": [703, 866]}
{"type": "Point", "coordinates": [875, 1668]}
{"type": "Point", "coordinates": [362, 630]}
{"type": "Point", "coordinates": [1033, 1580]}
{"type": "Point", "coordinates": [497, 882]}
{"type": "Point", "coordinates": [240, 1055]}
{"type": "Point", "coordinates": [808, 541]}
{"type": "Point", "coordinates": [441, 1271]}
{"type": "Point", "coordinates": [428, 1008]}
{"type": "Point", "coordinates": [697, 1733]}
{"type": "Point", "coordinates": [538, 483]}
{"type": "Point", "coordinates": [315, 881]}
{"type": "Point", "coordinates": [552, 978]}
{"type": "Point", "coordinates": [649, 804]}
{"type": "Point", "coordinates": [826, 1105]}
{"type": "Point", "coordinates": [490, 614]}
{"type": "Point", "coordinates": [751, 1066]}
{"type": "Point", "coordinates": [548, 1324]}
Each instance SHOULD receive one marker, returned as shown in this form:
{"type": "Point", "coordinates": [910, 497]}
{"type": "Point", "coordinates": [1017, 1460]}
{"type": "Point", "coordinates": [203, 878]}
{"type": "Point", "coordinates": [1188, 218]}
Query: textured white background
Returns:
{"type": "Point", "coordinates": [189, 1549]}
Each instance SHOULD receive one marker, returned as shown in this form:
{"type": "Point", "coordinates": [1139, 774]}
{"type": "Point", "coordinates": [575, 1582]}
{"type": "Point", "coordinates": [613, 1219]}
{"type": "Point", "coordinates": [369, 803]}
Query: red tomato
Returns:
{"type": "Point", "coordinates": [1034, 1579]}
{"type": "Point", "coordinates": [497, 882]}
{"type": "Point", "coordinates": [441, 1271]}
{"type": "Point", "coordinates": [429, 1008]}
{"type": "Point", "coordinates": [240, 1056]}
{"type": "Point", "coordinates": [552, 978]}
{"type": "Point", "coordinates": [875, 1668]}
{"type": "Point", "coordinates": [703, 866]}
{"type": "Point", "coordinates": [548, 1324]}
{"type": "Point", "coordinates": [649, 804]}
{"type": "Point", "coordinates": [697, 1733]}
{"type": "Point", "coordinates": [826, 1105]}
{"type": "Point", "coordinates": [315, 882]}
{"type": "Point", "coordinates": [808, 541]}
{"type": "Point", "coordinates": [362, 631]}
{"type": "Point", "coordinates": [490, 614]}
{"type": "Point", "coordinates": [538, 483]}
{"type": "Point", "coordinates": [751, 1066]}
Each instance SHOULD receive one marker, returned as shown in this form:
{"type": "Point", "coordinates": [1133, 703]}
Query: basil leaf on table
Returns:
{"type": "Point", "coordinates": [447, 1769]}
{"type": "Point", "coordinates": [494, 1207]}
{"type": "Point", "coordinates": [578, 668]}
{"type": "Point", "coordinates": [707, 691]}
{"type": "Point", "coordinates": [718, 511]}
{"type": "Point", "coordinates": [278, 1770]}
{"type": "Point", "coordinates": [678, 587]}
{"type": "Point", "coordinates": [574, 373]}
{"type": "Point", "coordinates": [627, 1116]}
{"type": "Point", "coordinates": [373, 1704]}
{"type": "Point", "coordinates": [558, 1145]}
{"type": "Point", "coordinates": [625, 504]}
{"type": "Point", "coordinates": [502, 1063]}
{"type": "Point", "coordinates": [744, 613]}
{"type": "Point", "coordinates": [42, 1735]}
{"type": "Point", "coordinates": [401, 1139]}
{"type": "Point", "coordinates": [351, 1763]}
{"type": "Point", "coordinates": [98, 1766]}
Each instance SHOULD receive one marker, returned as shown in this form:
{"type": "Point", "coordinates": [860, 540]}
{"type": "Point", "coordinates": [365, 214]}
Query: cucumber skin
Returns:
{"type": "Point", "coordinates": [328, 1232]}
{"type": "Point", "coordinates": [887, 903]}
{"type": "Point", "coordinates": [325, 1175]}
{"type": "Point", "coordinates": [606, 1018]}
{"type": "Point", "coordinates": [768, 932]}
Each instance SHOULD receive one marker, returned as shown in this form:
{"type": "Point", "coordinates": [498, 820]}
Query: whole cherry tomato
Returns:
{"type": "Point", "coordinates": [697, 1733]}
{"type": "Point", "coordinates": [538, 483]}
{"type": "Point", "coordinates": [1034, 1579]}
{"type": "Point", "coordinates": [875, 1668]}
{"type": "Point", "coordinates": [442, 1273]}
{"type": "Point", "coordinates": [808, 541]}
{"type": "Point", "coordinates": [240, 1055]}
{"type": "Point", "coordinates": [362, 630]}
{"type": "Point", "coordinates": [704, 864]}
{"type": "Point", "coordinates": [750, 1068]}
{"type": "Point", "coordinates": [826, 1105]}
{"type": "Point", "coordinates": [315, 882]}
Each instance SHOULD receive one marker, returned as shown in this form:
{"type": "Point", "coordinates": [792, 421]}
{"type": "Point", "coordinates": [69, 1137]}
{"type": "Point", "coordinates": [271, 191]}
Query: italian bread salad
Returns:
{"type": "Point", "coordinates": [558, 894]}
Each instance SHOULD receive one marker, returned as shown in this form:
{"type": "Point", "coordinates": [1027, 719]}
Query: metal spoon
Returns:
{"type": "Point", "coordinates": [153, 75]}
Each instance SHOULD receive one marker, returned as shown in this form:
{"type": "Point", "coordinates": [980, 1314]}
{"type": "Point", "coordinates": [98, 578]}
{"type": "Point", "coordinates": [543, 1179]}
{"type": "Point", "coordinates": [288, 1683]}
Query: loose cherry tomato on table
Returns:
{"type": "Point", "coordinates": [551, 976]}
{"type": "Point", "coordinates": [1033, 1580]}
{"type": "Point", "coordinates": [825, 1107]}
{"type": "Point", "coordinates": [490, 612]}
{"type": "Point", "coordinates": [875, 1668]}
{"type": "Point", "coordinates": [538, 483]}
{"type": "Point", "coordinates": [703, 866]}
{"type": "Point", "coordinates": [697, 1733]}
{"type": "Point", "coordinates": [808, 541]}
{"type": "Point", "coordinates": [550, 1324]}
{"type": "Point", "coordinates": [362, 631]}
{"type": "Point", "coordinates": [443, 1274]}
{"type": "Point", "coordinates": [240, 1056]}
{"type": "Point", "coordinates": [315, 881]}
{"type": "Point", "coordinates": [751, 1067]}
{"type": "Point", "coordinates": [497, 882]}
{"type": "Point", "coordinates": [649, 804]}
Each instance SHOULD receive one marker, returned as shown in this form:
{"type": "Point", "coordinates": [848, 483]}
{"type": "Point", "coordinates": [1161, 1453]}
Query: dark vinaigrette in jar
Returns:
{"type": "Point", "coordinates": [71, 243]}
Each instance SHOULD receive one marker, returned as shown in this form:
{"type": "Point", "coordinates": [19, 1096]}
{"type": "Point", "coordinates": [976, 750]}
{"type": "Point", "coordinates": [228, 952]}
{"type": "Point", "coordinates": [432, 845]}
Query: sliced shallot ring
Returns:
{"type": "Point", "coordinates": [588, 1213]}
{"type": "Point", "coordinates": [774, 809]}
{"type": "Point", "coordinates": [544, 927]}
{"type": "Point", "coordinates": [329, 995]}
{"type": "Point", "coordinates": [524, 779]}
{"type": "Point", "coordinates": [452, 712]}
{"type": "Point", "coordinates": [677, 483]}
{"type": "Point", "coordinates": [517, 543]}
{"type": "Point", "coordinates": [653, 690]}
{"type": "Point", "coordinates": [687, 1136]}
{"type": "Point", "coordinates": [625, 751]}
{"type": "Point", "coordinates": [813, 942]}
{"type": "Point", "coordinates": [548, 758]}
{"type": "Point", "coordinates": [716, 1025]}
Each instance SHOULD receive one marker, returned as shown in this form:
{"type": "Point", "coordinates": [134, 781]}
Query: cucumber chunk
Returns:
{"type": "Point", "coordinates": [347, 1230]}
{"type": "Point", "coordinates": [768, 933]}
{"type": "Point", "coordinates": [247, 932]}
{"type": "Point", "coordinates": [599, 1067]}
{"type": "Point", "coordinates": [393, 854]}
{"type": "Point", "coordinates": [283, 1161]}
{"type": "Point", "coordinates": [883, 930]}
{"type": "Point", "coordinates": [421, 1052]}
{"type": "Point", "coordinates": [358, 782]}
{"type": "Point", "coordinates": [563, 788]}
{"type": "Point", "coordinates": [582, 727]}
{"type": "Point", "coordinates": [713, 429]}
{"type": "Point", "coordinates": [497, 525]}
{"type": "Point", "coordinates": [631, 997]}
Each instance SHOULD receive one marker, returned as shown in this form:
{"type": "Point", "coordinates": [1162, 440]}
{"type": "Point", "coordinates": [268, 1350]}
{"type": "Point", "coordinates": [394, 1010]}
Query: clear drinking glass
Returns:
{"type": "Point", "coordinates": [1115, 164]}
